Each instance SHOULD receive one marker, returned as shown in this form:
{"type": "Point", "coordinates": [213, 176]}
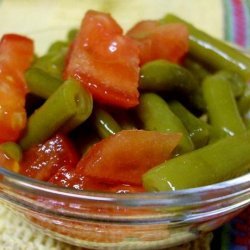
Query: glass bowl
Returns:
{"type": "Point", "coordinates": [124, 221]}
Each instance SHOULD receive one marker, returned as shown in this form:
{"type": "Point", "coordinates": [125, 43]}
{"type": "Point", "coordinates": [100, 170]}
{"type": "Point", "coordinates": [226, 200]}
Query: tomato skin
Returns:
{"type": "Point", "coordinates": [105, 61]}
{"type": "Point", "coordinates": [155, 41]}
{"type": "Point", "coordinates": [16, 55]}
{"type": "Point", "coordinates": [42, 161]}
{"type": "Point", "coordinates": [123, 158]}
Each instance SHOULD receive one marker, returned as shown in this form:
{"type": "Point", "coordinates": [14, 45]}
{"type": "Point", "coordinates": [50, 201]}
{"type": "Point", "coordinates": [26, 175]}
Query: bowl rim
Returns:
{"type": "Point", "coordinates": [198, 195]}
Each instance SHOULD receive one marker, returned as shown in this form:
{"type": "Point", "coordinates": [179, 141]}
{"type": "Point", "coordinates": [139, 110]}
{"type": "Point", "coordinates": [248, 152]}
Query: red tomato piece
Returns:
{"type": "Point", "coordinates": [155, 41]}
{"type": "Point", "coordinates": [16, 54]}
{"type": "Point", "coordinates": [67, 177]}
{"type": "Point", "coordinates": [105, 61]}
{"type": "Point", "coordinates": [42, 161]}
{"type": "Point", "coordinates": [126, 156]}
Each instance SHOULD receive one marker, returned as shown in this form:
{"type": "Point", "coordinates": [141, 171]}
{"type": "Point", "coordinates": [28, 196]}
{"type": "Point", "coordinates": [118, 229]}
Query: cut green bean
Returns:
{"type": "Point", "coordinates": [58, 112]}
{"type": "Point", "coordinates": [221, 105]}
{"type": "Point", "coordinates": [244, 101]}
{"type": "Point", "coordinates": [238, 84]}
{"type": "Point", "coordinates": [161, 75]}
{"type": "Point", "coordinates": [57, 48]}
{"type": "Point", "coordinates": [104, 123]}
{"type": "Point", "coordinates": [155, 114]}
{"type": "Point", "coordinates": [12, 150]}
{"type": "Point", "coordinates": [41, 83]}
{"type": "Point", "coordinates": [53, 61]}
{"type": "Point", "coordinates": [198, 129]}
{"type": "Point", "coordinates": [199, 71]}
{"type": "Point", "coordinates": [72, 34]}
{"type": "Point", "coordinates": [223, 160]}
{"type": "Point", "coordinates": [212, 51]}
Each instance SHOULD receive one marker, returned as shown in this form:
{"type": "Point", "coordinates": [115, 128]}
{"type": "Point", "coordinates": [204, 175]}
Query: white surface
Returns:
{"type": "Point", "coordinates": [48, 20]}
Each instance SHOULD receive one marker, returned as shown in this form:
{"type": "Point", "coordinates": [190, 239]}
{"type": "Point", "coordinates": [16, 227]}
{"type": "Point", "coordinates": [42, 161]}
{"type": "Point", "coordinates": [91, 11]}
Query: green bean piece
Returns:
{"type": "Point", "coordinates": [198, 70]}
{"type": "Point", "coordinates": [41, 83]}
{"type": "Point", "coordinates": [244, 101]}
{"type": "Point", "coordinates": [155, 114]}
{"type": "Point", "coordinates": [223, 160]}
{"type": "Point", "coordinates": [198, 129]}
{"type": "Point", "coordinates": [238, 84]}
{"type": "Point", "coordinates": [161, 75]}
{"type": "Point", "coordinates": [12, 150]}
{"type": "Point", "coordinates": [104, 123]}
{"type": "Point", "coordinates": [212, 51]}
{"type": "Point", "coordinates": [221, 105]}
{"type": "Point", "coordinates": [53, 61]}
{"type": "Point", "coordinates": [58, 112]}
{"type": "Point", "coordinates": [57, 47]}
{"type": "Point", "coordinates": [72, 34]}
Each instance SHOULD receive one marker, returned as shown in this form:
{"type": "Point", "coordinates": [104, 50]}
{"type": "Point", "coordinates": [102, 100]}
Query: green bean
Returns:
{"type": "Point", "coordinates": [223, 160]}
{"type": "Point", "coordinates": [221, 105]}
{"type": "Point", "coordinates": [104, 123]}
{"type": "Point", "coordinates": [12, 150]}
{"type": "Point", "coordinates": [53, 61]}
{"type": "Point", "coordinates": [212, 51]}
{"type": "Point", "coordinates": [198, 129]}
{"type": "Point", "coordinates": [161, 75]}
{"type": "Point", "coordinates": [238, 83]}
{"type": "Point", "coordinates": [244, 101]}
{"type": "Point", "coordinates": [66, 107]}
{"type": "Point", "coordinates": [57, 47]}
{"type": "Point", "coordinates": [72, 34]}
{"type": "Point", "coordinates": [198, 70]}
{"type": "Point", "coordinates": [41, 83]}
{"type": "Point", "coordinates": [155, 114]}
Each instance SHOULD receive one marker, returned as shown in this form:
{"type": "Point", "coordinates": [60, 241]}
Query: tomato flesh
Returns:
{"type": "Point", "coordinates": [105, 61]}
{"type": "Point", "coordinates": [155, 41]}
{"type": "Point", "coordinates": [42, 161]}
{"type": "Point", "coordinates": [126, 156]}
{"type": "Point", "coordinates": [16, 54]}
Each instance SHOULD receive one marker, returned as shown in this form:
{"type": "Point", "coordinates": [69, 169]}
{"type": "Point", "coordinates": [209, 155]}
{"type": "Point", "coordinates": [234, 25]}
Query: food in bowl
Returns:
{"type": "Point", "coordinates": [162, 107]}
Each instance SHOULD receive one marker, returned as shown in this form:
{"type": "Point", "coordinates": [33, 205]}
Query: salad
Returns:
{"type": "Point", "coordinates": [163, 107]}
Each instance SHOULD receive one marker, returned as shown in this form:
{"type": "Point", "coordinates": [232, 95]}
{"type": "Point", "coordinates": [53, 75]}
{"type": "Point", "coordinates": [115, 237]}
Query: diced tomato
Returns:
{"type": "Point", "coordinates": [42, 161]}
{"type": "Point", "coordinates": [123, 158]}
{"type": "Point", "coordinates": [8, 163]}
{"type": "Point", "coordinates": [16, 51]}
{"type": "Point", "coordinates": [67, 177]}
{"type": "Point", "coordinates": [16, 54]}
{"type": "Point", "coordinates": [155, 41]}
{"type": "Point", "coordinates": [105, 61]}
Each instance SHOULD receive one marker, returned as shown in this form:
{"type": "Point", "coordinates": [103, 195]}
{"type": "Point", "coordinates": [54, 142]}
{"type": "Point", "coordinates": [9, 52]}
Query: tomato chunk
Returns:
{"type": "Point", "coordinates": [42, 161]}
{"type": "Point", "coordinates": [105, 61]}
{"type": "Point", "coordinates": [16, 54]}
{"type": "Point", "coordinates": [155, 41]}
{"type": "Point", "coordinates": [123, 158]}
{"type": "Point", "coordinates": [67, 177]}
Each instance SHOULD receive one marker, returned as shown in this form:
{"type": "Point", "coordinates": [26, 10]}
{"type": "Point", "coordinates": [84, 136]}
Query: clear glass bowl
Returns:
{"type": "Point", "coordinates": [124, 221]}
